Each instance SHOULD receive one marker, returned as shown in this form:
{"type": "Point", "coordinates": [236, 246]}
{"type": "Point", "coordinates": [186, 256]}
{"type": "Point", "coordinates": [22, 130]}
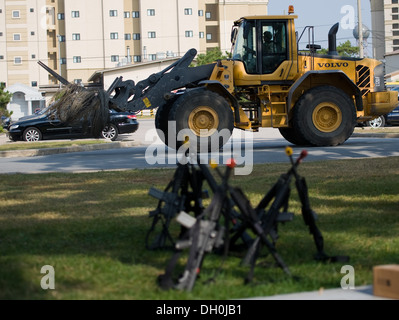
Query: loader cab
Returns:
{"type": "Point", "coordinates": [264, 45]}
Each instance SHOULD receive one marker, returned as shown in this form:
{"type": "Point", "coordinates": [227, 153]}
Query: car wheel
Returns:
{"type": "Point", "coordinates": [377, 123]}
{"type": "Point", "coordinates": [110, 132]}
{"type": "Point", "coordinates": [32, 135]}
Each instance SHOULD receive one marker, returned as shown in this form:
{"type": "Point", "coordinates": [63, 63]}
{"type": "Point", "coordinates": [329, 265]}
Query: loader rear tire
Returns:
{"type": "Point", "coordinates": [324, 116]}
{"type": "Point", "coordinates": [292, 136]}
{"type": "Point", "coordinates": [204, 118]}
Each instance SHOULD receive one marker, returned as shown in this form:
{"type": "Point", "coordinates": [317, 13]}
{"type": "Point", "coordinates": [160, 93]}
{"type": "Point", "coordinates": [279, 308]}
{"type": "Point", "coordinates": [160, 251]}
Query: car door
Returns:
{"type": "Point", "coordinates": [393, 116]}
{"type": "Point", "coordinates": [53, 127]}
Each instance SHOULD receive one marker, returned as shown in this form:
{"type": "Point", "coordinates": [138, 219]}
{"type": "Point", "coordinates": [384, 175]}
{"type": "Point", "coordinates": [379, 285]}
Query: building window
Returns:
{"type": "Point", "coordinates": [152, 57]}
{"type": "Point", "coordinates": [136, 36]}
{"type": "Point", "coordinates": [188, 11]}
{"type": "Point", "coordinates": [128, 36]}
{"type": "Point", "coordinates": [137, 58]}
{"type": "Point", "coordinates": [33, 56]}
{"type": "Point", "coordinates": [395, 10]}
{"type": "Point", "coordinates": [201, 35]}
{"type": "Point", "coordinates": [61, 16]}
{"type": "Point", "coordinates": [395, 33]}
{"type": "Point", "coordinates": [76, 36]}
{"type": "Point", "coordinates": [34, 83]}
{"type": "Point", "coordinates": [395, 42]}
{"type": "Point", "coordinates": [395, 26]}
{"type": "Point", "coordinates": [114, 35]}
{"type": "Point", "coordinates": [16, 14]}
{"type": "Point", "coordinates": [208, 15]}
{"type": "Point", "coordinates": [209, 36]}
{"type": "Point", "coordinates": [189, 34]}
{"type": "Point", "coordinates": [32, 10]}
{"type": "Point", "coordinates": [152, 34]}
{"type": "Point", "coordinates": [32, 33]}
{"type": "Point", "coordinates": [61, 38]}
{"type": "Point", "coordinates": [63, 60]}
{"type": "Point", "coordinates": [1, 57]}
{"type": "Point", "coordinates": [136, 14]}
{"type": "Point", "coordinates": [200, 13]}
{"type": "Point", "coordinates": [1, 34]}
{"type": "Point", "coordinates": [395, 17]}
{"type": "Point", "coordinates": [394, 1]}
{"type": "Point", "coordinates": [75, 14]}
{"type": "Point", "coordinates": [113, 13]}
{"type": "Point", "coordinates": [114, 58]}
{"type": "Point", "coordinates": [17, 60]}
{"type": "Point", "coordinates": [126, 14]}
{"type": "Point", "coordinates": [77, 59]}
{"type": "Point", "coordinates": [17, 37]}
{"type": "Point", "coordinates": [151, 12]}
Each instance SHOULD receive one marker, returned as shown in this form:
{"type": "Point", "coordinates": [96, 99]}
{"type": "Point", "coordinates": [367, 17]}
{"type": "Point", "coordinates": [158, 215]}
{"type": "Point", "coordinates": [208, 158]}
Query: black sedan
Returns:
{"type": "Point", "coordinates": [44, 126]}
{"type": "Point", "coordinates": [391, 119]}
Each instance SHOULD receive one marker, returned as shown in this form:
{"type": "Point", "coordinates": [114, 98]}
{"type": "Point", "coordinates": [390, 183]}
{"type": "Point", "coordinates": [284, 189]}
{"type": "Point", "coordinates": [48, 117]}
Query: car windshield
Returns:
{"type": "Point", "coordinates": [43, 111]}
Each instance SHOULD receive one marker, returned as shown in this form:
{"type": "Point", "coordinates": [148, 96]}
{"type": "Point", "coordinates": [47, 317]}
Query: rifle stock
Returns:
{"type": "Point", "coordinates": [205, 235]}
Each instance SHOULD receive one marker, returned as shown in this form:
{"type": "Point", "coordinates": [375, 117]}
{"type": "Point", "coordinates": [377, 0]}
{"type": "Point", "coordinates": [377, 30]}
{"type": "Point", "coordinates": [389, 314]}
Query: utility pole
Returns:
{"type": "Point", "coordinates": [59, 55]}
{"type": "Point", "coordinates": [360, 29]}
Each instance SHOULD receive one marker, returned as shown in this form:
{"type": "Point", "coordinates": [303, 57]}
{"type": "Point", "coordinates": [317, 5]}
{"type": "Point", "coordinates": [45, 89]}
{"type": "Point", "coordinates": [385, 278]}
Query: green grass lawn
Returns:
{"type": "Point", "coordinates": [91, 228]}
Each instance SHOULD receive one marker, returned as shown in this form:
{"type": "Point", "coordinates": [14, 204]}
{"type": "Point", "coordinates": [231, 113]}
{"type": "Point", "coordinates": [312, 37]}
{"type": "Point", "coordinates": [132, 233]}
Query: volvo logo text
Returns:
{"type": "Point", "coordinates": [334, 65]}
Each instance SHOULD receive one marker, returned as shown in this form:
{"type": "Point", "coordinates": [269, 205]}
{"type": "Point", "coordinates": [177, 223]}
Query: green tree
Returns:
{"type": "Point", "coordinates": [344, 49]}
{"type": "Point", "coordinates": [5, 98]}
{"type": "Point", "coordinates": [211, 56]}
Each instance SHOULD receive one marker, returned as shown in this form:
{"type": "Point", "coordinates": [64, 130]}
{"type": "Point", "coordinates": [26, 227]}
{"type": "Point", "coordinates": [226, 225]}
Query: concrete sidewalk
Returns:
{"type": "Point", "coordinates": [360, 293]}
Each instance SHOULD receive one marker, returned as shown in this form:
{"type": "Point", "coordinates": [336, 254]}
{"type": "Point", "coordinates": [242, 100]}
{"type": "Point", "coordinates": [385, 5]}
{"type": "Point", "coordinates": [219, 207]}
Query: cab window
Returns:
{"type": "Point", "coordinates": [274, 45]}
{"type": "Point", "coordinates": [245, 48]}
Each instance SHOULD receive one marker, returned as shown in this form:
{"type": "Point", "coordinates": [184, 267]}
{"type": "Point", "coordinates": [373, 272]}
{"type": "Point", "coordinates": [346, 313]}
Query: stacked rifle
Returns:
{"type": "Point", "coordinates": [229, 217]}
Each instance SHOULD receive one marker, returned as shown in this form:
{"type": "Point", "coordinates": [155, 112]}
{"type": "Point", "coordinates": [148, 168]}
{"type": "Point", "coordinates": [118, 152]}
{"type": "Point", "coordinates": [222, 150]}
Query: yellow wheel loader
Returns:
{"type": "Point", "coordinates": [312, 99]}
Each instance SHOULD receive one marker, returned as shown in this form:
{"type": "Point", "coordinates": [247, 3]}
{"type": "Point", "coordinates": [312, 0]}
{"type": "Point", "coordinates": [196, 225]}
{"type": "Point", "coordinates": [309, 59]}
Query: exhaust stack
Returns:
{"type": "Point", "coordinates": [332, 40]}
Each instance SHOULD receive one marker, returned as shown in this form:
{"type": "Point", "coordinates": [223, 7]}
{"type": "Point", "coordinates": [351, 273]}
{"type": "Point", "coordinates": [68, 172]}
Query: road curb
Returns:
{"type": "Point", "coordinates": [375, 135]}
{"type": "Point", "coordinates": [76, 148]}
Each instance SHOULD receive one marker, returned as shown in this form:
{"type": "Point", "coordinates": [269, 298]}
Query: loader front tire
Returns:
{"type": "Point", "coordinates": [161, 121]}
{"type": "Point", "coordinates": [324, 116]}
{"type": "Point", "coordinates": [203, 118]}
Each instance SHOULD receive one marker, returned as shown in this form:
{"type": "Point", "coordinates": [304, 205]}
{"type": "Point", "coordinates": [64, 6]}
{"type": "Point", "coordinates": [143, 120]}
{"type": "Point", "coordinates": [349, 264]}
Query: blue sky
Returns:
{"type": "Point", "coordinates": [323, 14]}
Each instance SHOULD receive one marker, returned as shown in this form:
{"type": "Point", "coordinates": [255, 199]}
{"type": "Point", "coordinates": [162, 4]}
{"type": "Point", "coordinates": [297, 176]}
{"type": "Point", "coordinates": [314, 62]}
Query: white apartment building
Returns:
{"type": "Point", "coordinates": [23, 37]}
{"type": "Point", "coordinates": [385, 26]}
{"type": "Point", "coordinates": [79, 37]}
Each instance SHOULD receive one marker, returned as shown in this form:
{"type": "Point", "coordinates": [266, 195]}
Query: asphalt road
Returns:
{"type": "Point", "coordinates": [266, 146]}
